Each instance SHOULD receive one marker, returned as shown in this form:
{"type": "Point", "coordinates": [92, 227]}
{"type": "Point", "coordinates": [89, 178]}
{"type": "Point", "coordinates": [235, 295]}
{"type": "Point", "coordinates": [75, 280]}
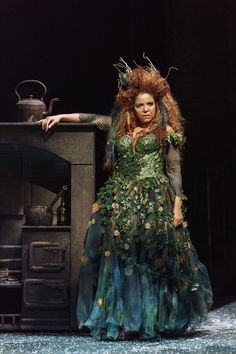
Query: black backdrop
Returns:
{"type": "Point", "coordinates": [71, 45]}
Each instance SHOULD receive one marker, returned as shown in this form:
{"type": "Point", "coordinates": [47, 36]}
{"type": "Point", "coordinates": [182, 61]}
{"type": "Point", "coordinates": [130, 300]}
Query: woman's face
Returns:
{"type": "Point", "coordinates": [144, 108]}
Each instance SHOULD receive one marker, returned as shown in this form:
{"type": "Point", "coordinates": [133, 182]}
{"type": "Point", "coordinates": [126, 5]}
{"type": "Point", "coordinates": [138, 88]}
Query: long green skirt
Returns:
{"type": "Point", "coordinates": [139, 273]}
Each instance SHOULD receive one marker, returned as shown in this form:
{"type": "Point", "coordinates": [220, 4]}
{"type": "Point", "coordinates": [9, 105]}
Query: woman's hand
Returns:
{"type": "Point", "coordinates": [178, 217]}
{"type": "Point", "coordinates": [50, 121]}
{"type": "Point", "coordinates": [177, 211]}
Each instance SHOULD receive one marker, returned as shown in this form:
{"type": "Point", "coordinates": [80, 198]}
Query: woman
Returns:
{"type": "Point", "coordinates": [140, 275]}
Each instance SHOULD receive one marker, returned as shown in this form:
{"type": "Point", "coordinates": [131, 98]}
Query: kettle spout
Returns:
{"type": "Point", "coordinates": [49, 111]}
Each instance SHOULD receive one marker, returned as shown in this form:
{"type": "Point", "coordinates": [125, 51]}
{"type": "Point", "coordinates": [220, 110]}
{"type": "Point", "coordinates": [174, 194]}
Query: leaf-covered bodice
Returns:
{"type": "Point", "coordinates": [145, 144]}
{"type": "Point", "coordinates": [144, 161]}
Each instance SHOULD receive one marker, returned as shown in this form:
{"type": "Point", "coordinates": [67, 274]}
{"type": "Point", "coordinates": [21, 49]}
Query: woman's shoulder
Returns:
{"type": "Point", "coordinates": [175, 137]}
{"type": "Point", "coordinates": [169, 129]}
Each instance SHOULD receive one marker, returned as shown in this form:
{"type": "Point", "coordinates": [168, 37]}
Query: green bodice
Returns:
{"type": "Point", "coordinates": [145, 161]}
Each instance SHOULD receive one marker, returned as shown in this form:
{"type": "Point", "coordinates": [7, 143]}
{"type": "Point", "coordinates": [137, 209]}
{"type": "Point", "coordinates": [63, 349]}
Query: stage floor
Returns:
{"type": "Point", "coordinates": [217, 335]}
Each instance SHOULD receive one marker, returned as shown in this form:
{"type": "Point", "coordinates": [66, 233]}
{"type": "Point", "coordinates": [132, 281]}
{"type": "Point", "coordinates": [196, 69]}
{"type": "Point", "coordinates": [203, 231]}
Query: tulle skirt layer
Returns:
{"type": "Point", "coordinates": [139, 273]}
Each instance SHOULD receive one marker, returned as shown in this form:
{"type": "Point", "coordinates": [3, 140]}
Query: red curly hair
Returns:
{"type": "Point", "coordinates": [132, 83]}
{"type": "Point", "coordinates": [146, 80]}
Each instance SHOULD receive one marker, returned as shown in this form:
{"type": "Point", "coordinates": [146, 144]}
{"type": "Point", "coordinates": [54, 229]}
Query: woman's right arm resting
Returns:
{"type": "Point", "coordinates": [103, 122]}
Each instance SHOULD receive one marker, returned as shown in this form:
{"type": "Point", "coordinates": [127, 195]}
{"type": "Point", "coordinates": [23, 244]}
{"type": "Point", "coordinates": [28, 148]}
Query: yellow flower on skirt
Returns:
{"type": "Point", "coordinates": [116, 233]}
{"type": "Point", "coordinates": [147, 226]}
{"type": "Point", "coordinates": [100, 302]}
{"type": "Point", "coordinates": [84, 260]}
{"type": "Point", "coordinates": [107, 253]}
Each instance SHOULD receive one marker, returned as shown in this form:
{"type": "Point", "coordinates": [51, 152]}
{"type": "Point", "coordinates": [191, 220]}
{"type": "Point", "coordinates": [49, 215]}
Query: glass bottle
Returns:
{"type": "Point", "coordinates": [61, 212]}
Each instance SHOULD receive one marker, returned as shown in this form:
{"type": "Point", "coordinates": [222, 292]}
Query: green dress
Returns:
{"type": "Point", "coordinates": [138, 272]}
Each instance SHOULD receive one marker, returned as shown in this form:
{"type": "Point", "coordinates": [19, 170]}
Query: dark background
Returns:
{"type": "Point", "coordinates": [71, 45]}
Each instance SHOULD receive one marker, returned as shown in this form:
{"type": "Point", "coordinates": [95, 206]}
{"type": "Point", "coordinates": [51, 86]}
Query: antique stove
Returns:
{"type": "Point", "coordinates": [39, 264]}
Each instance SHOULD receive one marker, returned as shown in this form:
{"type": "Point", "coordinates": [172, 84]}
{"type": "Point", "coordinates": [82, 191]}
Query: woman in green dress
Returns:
{"type": "Point", "coordinates": [140, 274]}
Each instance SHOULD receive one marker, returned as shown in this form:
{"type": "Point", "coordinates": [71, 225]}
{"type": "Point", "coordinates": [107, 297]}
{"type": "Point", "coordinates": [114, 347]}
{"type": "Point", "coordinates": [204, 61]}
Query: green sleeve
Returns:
{"type": "Point", "coordinates": [102, 121]}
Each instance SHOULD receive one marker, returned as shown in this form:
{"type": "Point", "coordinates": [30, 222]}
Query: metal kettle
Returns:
{"type": "Point", "coordinates": [31, 108]}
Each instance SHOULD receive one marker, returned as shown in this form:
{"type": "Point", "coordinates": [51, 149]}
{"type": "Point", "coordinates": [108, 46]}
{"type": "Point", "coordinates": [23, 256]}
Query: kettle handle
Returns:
{"type": "Point", "coordinates": [26, 81]}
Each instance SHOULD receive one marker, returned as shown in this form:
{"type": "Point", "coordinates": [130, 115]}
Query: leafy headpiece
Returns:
{"type": "Point", "coordinates": [126, 77]}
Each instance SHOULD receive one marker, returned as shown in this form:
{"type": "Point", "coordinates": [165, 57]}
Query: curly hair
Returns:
{"type": "Point", "coordinates": [134, 82]}
{"type": "Point", "coordinates": [145, 80]}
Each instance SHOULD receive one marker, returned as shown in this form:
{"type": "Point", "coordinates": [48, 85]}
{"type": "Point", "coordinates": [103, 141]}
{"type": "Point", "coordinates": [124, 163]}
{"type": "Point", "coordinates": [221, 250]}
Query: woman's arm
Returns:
{"type": "Point", "coordinates": [173, 169]}
{"type": "Point", "coordinates": [103, 122]}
